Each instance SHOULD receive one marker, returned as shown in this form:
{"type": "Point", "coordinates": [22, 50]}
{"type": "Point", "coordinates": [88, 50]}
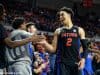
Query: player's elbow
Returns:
{"type": "Point", "coordinates": [9, 43]}
{"type": "Point", "coordinates": [52, 50]}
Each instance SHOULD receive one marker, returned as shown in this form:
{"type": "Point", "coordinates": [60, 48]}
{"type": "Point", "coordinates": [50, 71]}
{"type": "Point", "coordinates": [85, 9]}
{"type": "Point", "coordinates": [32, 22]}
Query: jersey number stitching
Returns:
{"type": "Point", "coordinates": [69, 42]}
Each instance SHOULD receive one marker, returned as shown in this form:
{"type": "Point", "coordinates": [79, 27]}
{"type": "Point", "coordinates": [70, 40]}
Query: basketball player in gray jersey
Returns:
{"type": "Point", "coordinates": [18, 58]}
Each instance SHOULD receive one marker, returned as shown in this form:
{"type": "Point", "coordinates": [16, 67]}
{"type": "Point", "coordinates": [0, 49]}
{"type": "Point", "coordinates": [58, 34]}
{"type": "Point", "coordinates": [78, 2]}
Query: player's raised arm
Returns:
{"type": "Point", "coordinates": [13, 44]}
{"type": "Point", "coordinates": [51, 47]}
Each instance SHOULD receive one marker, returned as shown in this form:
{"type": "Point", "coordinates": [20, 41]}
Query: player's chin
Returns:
{"type": "Point", "coordinates": [61, 20]}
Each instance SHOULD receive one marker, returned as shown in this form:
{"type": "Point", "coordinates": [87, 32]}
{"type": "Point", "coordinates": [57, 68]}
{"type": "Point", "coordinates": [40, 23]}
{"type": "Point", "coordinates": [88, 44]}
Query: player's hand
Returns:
{"type": "Point", "coordinates": [81, 64]}
{"type": "Point", "coordinates": [37, 38]}
{"type": "Point", "coordinates": [42, 42]}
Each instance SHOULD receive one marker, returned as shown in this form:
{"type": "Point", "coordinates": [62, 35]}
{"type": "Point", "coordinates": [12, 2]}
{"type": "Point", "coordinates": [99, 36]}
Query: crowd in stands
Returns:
{"type": "Point", "coordinates": [46, 20]}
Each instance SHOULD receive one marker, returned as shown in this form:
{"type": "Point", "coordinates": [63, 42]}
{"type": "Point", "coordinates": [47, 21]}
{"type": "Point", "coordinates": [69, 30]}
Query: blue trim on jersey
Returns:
{"type": "Point", "coordinates": [31, 53]}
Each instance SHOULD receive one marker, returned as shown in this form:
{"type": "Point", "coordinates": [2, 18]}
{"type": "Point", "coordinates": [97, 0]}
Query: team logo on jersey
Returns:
{"type": "Point", "coordinates": [74, 30]}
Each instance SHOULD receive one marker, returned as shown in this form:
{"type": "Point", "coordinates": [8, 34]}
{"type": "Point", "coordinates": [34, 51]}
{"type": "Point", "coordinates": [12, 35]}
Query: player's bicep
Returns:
{"type": "Point", "coordinates": [81, 33]}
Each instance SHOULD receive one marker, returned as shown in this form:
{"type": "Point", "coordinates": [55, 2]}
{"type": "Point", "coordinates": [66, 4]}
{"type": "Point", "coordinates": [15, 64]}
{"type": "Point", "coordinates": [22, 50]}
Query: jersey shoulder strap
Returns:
{"type": "Point", "coordinates": [75, 26]}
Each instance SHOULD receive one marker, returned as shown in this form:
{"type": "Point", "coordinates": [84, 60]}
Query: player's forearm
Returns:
{"type": "Point", "coordinates": [14, 44]}
{"type": "Point", "coordinates": [85, 48]}
{"type": "Point", "coordinates": [49, 47]}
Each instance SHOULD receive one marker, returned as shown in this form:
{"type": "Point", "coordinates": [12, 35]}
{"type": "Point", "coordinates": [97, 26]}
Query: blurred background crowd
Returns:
{"type": "Point", "coordinates": [45, 20]}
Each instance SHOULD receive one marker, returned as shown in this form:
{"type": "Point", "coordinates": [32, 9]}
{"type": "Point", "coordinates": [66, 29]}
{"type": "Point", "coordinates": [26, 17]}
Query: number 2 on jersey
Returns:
{"type": "Point", "coordinates": [69, 42]}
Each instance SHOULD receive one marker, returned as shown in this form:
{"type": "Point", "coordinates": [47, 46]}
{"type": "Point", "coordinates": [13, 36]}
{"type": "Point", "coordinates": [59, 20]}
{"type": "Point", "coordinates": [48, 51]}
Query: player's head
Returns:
{"type": "Point", "coordinates": [19, 23]}
{"type": "Point", "coordinates": [31, 27]}
{"type": "Point", "coordinates": [65, 14]}
{"type": "Point", "coordinates": [1, 11]}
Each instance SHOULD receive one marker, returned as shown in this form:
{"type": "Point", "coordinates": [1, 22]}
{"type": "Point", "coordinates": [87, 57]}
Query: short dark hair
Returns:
{"type": "Point", "coordinates": [1, 9]}
{"type": "Point", "coordinates": [30, 24]}
{"type": "Point", "coordinates": [68, 10]}
{"type": "Point", "coordinates": [17, 22]}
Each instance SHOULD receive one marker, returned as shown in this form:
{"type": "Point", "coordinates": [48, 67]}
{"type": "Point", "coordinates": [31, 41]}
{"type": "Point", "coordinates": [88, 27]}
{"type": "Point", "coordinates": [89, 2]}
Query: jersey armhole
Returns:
{"type": "Point", "coordinates": [77, 30]}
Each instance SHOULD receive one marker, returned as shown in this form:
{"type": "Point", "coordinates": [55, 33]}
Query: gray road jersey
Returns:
{"type": "Point", "coordinates": [20, 53]}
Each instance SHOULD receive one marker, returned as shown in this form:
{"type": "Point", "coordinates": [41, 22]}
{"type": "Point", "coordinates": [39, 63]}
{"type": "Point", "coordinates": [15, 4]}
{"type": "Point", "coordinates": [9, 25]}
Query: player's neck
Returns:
{"type": "Point", "coordinates": [68, 25]}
